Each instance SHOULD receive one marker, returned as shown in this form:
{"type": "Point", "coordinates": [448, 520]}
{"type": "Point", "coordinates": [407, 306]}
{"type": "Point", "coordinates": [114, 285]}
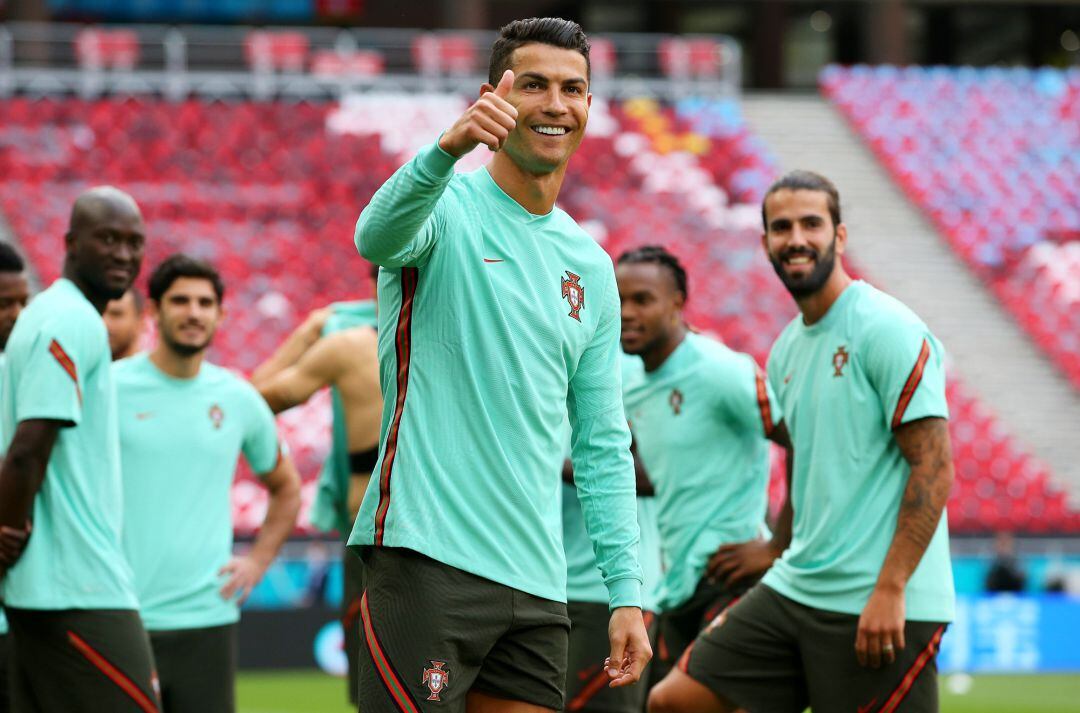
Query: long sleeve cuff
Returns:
{"type": "Point", "coordinates": [624, 593]}
{"type": "Point", "coordinates": [435, 162]}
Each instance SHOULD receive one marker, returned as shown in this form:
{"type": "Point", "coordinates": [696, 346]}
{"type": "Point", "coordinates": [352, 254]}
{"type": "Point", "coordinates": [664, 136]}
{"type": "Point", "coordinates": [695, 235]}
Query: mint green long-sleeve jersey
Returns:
{"type": "Point", "coordinates": [494, 326]}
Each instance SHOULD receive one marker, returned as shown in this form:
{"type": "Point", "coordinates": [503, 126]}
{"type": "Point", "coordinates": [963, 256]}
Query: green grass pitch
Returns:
{"type": "Point", "coordinates": [313, 692]}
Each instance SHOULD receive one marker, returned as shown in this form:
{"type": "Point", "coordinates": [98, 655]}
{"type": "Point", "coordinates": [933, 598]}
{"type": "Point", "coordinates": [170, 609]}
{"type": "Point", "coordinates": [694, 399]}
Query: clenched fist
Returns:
{"type": "Point", "coordinates": [488, 121]}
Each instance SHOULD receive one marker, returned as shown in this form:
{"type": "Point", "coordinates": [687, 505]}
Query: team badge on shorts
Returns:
{"type": "Point", "coordinates": [839, 361]}
{"type": "Point", "coordinates": [574, 293]}
{"type": "Point", "coordinates": [436, 679]}
{"type": "Point", "coordinates": [216, 415]}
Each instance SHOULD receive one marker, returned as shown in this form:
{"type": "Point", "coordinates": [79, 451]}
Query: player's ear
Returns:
{"type": "Point", "coordinates": [841, 239]}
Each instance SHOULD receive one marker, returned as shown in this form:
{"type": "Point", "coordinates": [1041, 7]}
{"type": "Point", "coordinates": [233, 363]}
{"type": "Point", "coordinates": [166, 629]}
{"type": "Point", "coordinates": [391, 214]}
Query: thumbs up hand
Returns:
{"type": "Point", "coordinates": [488, 121]}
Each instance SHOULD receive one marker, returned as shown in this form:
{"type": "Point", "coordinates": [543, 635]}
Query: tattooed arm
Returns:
{"type": "Point", "coordinates": [926, 447]}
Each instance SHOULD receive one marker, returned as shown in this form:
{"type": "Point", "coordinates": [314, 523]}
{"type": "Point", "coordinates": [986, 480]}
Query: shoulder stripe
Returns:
{"type": "Point", "coordinates": [912, 383]}
{"type": "Point", "coordinates": [403, 345]}
{"type": "Point", "coordinates": [763, 403]}
{"type": "Point", "coordinates": [908, 681]}
{"type": "Point", "coordinates": [389, 677]}
{"type": "Point", "coordinates": [67, 364]}
{"type": "Point", "coordinates": [114, 674]}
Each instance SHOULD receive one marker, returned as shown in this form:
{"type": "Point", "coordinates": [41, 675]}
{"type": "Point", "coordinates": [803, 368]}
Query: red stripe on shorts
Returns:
{"type": "Point", "coordinates": [114, 674]}
{"type": "Point", "coordinates": [912, 383]}
{"type": "Point", "coordinates": [389, 677]}
{"type": "Point", "coordinates": [403, 343]}
{"type": "Point", "coordinates": [908, 681]}
{"type": "Point", "coordinates": [598, 682]}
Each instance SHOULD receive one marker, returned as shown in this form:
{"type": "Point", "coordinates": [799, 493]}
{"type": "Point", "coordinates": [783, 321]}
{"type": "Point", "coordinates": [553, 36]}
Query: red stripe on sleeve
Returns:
{"type": "Point", "coordinates": [912, 384]}
{"type": "Point", "coordinates": [67, 364]}
{"type": "Point", "coordinates": [114, 674]}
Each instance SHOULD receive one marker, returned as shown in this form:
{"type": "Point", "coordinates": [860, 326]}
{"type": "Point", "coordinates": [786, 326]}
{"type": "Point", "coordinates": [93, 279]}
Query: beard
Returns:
{"type": "Point", "coordinates": [802, 287]}
{"type": "Point", "coordinates": [184, 349]}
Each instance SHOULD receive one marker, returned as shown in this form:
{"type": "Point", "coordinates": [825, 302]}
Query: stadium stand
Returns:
{"type": "Point", "coordinates": [270, 192]}
{"type": "Point", "coordinates": [992, 156]}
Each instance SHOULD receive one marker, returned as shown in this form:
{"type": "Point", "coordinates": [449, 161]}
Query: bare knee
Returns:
{"type": "Point", "coordinates": [661, 699]}
{"type": "Point", "coordinates": [678, 693]}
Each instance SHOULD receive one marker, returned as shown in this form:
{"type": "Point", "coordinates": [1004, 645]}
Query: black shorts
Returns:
{"type": "Point", "coordinates": [353, 575]}
{"type": "Point", "coordinates": [5, 689]}
{"type": "Point", "coordinates": [196, 669]}
{"type": "Point", "coordinates": [587, 680]}
{"type": "Point", "coordinates": [680, 625]}
{"type": "Point", "coordinates": [81, 661]}
{"type": "Point", "coordinates": [432, 633]}
{"type": "Point", "coordinates": [770, 654]}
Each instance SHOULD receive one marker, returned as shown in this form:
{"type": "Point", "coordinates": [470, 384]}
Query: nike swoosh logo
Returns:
{"type": "Point", "coordinates": [143, 415]}
{"type": "Point", "coordinates": [491, 259]}
{"type": "Point", "coordinates": [787, 378]}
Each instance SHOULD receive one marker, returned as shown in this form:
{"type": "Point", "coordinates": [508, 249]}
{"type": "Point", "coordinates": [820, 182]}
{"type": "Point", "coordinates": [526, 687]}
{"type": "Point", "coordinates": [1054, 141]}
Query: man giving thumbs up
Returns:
{"type": "Point", "coordinates": [498, 321]}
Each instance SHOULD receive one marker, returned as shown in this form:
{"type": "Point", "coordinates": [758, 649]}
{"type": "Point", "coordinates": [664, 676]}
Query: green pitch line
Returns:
{"type": "Point", "coordinates": [314, 692]}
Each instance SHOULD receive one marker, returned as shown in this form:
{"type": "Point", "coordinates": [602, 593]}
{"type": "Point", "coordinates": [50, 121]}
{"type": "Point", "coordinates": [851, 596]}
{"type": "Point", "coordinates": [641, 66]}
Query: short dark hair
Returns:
{"type": "Point", "coordinates": [805, 181]}
{"type": "Point", "coordinates": [553, 31]}
{"type": "Point", "coordinates": [10, 260]}
{"type": "Point", "coordinates": [179, 265]}
{"type": "Point", "coordinates": [658, 255]}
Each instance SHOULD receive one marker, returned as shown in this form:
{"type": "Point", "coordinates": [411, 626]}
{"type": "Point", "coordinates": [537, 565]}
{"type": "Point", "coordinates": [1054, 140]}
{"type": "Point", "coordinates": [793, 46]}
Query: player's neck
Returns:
{"type": "Point", "coordinates": [655, 358]}
{"type": "Point", "coordinates": [99, 301]}
{"type": "Point", "coordinates": [816, 306]}
{"type": "Point", "coordinates": [536, 194]}
{"type": "Point", "coordinates": [178, 366]}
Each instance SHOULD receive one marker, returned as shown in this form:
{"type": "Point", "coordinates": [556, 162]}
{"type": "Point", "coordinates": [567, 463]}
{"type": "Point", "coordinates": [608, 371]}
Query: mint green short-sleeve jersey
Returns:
{"type": "Point", "coordinates": [845, 382]}
{"type": "Point", "coordinates": [495, 326]}
{"type": "Point", "coordinates": [180, 440]}
{"type": "Point", "coordinates": [3, 448]}
{"type": "Point", "coordinates": [700, 422]}
{"type": "Point", "coordinates": [58, 368]}
{"type": "Point", "coordinates": [583, 580]}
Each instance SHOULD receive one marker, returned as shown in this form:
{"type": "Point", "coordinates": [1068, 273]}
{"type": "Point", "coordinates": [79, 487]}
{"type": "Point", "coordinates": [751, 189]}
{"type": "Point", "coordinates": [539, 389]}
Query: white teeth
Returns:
{"type": "Point", "coordinates": [550, 130]}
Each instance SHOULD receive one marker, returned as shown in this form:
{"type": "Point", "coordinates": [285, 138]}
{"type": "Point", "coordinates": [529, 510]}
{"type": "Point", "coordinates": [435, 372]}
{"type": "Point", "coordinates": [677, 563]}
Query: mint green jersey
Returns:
{"type": "Point", "coordinates": [700, 422]}
{"type": "Point", "coordinates": [845, 383]}
{"type": "Point", "coordinates": [494, 326]}
{"type": "Point", "coordinates": [179, 443]}
{"type": "Point", "coordinates": [3, 449]}
{"type": "Point", "coordinates": [58, 368]}
{"type": "Point", "coordinates": [584, 582]}
{"type": "Point", "coordinates": [330, 509]}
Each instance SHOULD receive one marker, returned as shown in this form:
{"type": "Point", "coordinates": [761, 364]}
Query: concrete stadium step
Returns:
{"type": "Point", "coordinates": [899, 250]}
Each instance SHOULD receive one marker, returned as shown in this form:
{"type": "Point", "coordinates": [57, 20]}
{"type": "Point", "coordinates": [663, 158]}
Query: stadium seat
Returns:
{"type": "Point", "coordinates": [270, 51]}
{"type": "Point", "coordinates": [97, 48]}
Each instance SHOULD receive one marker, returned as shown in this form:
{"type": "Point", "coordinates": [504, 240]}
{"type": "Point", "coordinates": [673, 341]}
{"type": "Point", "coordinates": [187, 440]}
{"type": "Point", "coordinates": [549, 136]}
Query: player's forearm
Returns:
{"type": "Point", "coordinates": [398, 210]}
{"type": "Point", "coordinates": [603, 474]}
{"type": "Point", "coordinates": [781, 537]}
{"type": "Point", "coordinates": [281, 514]}
{"type": "Point", "coordinates": [23, 470]}
{"type": "Point", "coordinates": [925, 445]}
{"type": "Point", "coordinates": [290, 351]}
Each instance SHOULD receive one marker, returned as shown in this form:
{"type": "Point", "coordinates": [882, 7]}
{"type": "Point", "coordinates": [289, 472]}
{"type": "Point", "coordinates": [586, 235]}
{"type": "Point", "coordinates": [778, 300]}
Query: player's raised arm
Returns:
{"type": "Point", "coordinates": [295, 346]}
{"type": "Point", "coordinates": [395, 229]}
{"type": "Point", "coordinates": [317, 368]}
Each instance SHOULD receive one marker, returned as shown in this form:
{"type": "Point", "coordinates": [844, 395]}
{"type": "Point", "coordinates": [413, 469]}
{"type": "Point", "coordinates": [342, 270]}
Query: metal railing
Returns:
{"type": "Point", "coordinates": [41, 59]}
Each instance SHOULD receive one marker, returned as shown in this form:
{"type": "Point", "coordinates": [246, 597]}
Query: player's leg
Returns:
{"type": "Point", "coordinates": [426, 630]}
{"type": "Point", "coordinates": [81, 661]}
{"type": "Point", "coordinates": [527, 664]}
{"type": "Point", "coordinates": [197, 669]}
{"type": "Point", "coordinates": [5, 691]}
{"type": "Point", "coordinates": [680, 626]}
{"type": "Point", "coordinates": [908, 684]}
{"type": "Point", "coordinates": [748, 657]}
{"type": "Point", "coordinates": [353, 574]}
{"type": "Point", "coordinates": [586, 678]}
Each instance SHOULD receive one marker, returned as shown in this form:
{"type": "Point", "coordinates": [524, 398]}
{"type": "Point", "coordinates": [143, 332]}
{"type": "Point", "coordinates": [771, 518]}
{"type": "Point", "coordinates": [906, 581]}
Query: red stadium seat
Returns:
{"type": "Point", "coordinates": [444, 54]}
{"type": "Point", "coordinates": [268, 51]}
{"type": "Point", "coordinates": [97, 48]}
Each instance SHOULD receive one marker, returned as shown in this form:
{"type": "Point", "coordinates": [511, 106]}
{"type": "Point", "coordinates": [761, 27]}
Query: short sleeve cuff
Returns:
{"type": "Point", "coordinates": [435, 162]}
{"type": "Point", "coordinates": [624, 593]}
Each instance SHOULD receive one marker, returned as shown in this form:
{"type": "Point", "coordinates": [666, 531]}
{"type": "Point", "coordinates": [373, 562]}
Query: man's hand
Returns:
{"type": "Point", "coordinates": [630, 649]}
{"type": "Point", "coordinates": [244, 573]}
{"type": "Point", "coordinates": [315, 321]}
{"type": "Point", "coordinates": [746, 559]}
{"type": "Point", "coordinates": [881, 628]}
{"type": "Point", "coordinates": [12, 544]}
{"type": "Point", "coordinates": [488, 121]}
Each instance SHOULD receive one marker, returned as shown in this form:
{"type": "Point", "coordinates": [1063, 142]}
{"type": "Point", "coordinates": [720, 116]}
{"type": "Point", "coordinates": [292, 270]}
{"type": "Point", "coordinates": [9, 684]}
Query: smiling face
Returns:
{"type": "Point", "coordinates": [551, 95]}
{"type": "Point", "coordinates": [105, 247]}
{"type": "Point", "coordinates": [801, 241]}
{"type": "Point", "coordinates": [187, 315]}
{"type": "Point", "coordinates": [651, 306]}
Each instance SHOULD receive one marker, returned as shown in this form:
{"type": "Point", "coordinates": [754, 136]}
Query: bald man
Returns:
{"type": "Point", "coordinates": [336, 347]}
{"type": "Point", "coordinates": [124, 322]}
{"type": "Point", "coordinates": [78, 643]}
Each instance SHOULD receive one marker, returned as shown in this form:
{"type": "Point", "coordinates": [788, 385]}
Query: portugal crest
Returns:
{"type": "Point", "coordinates": [676, 400]}
{"type": "Point", "coordinates": [574, 293]}
{"type": "Point", "coordinates": [436, 679]}
{"type": "Point", "coordinates": [839, 361]}
{"type": "Point", "coordinates": [216, 415]}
